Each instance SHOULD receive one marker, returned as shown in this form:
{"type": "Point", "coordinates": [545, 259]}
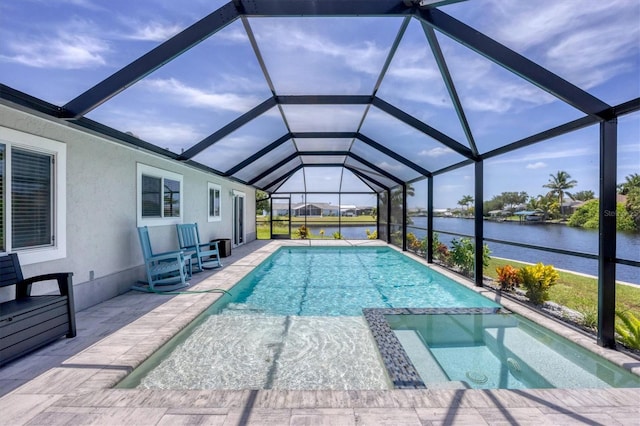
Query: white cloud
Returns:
{"type": "Point", "coordinates": [153, 31]}
{"type": "Point", "coordinates": [587, 43]}
{"type": "Point", "coordinates": [161, 130]}
{"type": "Point", "coordinates": [628, 147]}
{"type": "Point", "coordinates": [435, 152]}
{"type": "Point", "coordinates": [498, 92]}
{"type": "Point", "coordinates": [388, 167]}
{"type": "Point", "coordinates": [587, 60]}
{"type": "Point", "coordinates": [233, 34]}
{"type": "Point", "coordinates": [538, 165]}
{"type": "Point", "coordinates": [413, 78]}
{"type": "Point", "coordinates": [542, 155]}
{"type": "Point", "coordinates": [192, 96]}
{"type": "Point", "coordinates": [449, 187]}
{"type": "Point", "coordinates": [363, 56]}
{"type": "Point", "coordinates": [85, 4]}
{"type": "Point", "coordinates": [163, 133]}
{"type": "Point", "coordinates": [64, 51]}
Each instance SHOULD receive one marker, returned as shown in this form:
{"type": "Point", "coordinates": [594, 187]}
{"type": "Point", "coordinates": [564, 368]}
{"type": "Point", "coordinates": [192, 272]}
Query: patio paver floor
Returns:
{"type": "Point", "coordinates": [71, 381]}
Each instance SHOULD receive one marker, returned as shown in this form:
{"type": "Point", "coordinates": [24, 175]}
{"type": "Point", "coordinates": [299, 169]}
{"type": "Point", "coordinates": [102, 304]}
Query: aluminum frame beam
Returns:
{"type": "Point", "coordinates": [516, 63]}
{"type": "Point", "coordinates": [448, 82]}
{"type": "Point", "coordinates": [324, 99]}
{"type": "Point", "coordinates": [325, 8]}
{"type": "Point", "coordinates": [607, 234]}
{"type": "Point", "coordinates": [423, 127]}
{"type": "Point", "coordinates": [282, 178]}
{"type": "Point", "coordinates": [363, 138]}
{"type": "Point", "coordinates": [228, 129]}
{"type": "Point", "coordinates": [274, 168]}
{"type": "Point", "coordinates": [357, 158]}
{"type": "Point", "coordinates": [365, 178]}
{"type": "Point", "coordinates": [295, 155]}
{"type": "Point", "coordinates": [267, 149]}
{"type": "Point", "coordinates": [376, 145]}
{"type": "Point", "coordinates": [539, 137]}
{"type": "Point", "coordinates": [150, 61]}
{"type": "Point", "coordinates": [478, 223]}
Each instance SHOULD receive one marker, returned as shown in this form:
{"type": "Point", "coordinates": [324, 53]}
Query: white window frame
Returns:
{"type": "Point", "coordinates": [143, 169]}
{"type": "Point", "coordinates": [214, 186]}
{"type": "Point", "coordinates": [242, 239]}
{"type": "Point", "coordinates": [58, 150]}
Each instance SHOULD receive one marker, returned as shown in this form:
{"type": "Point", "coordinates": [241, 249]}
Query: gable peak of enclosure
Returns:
{"type": "Point", "coordinates": [261, 92]}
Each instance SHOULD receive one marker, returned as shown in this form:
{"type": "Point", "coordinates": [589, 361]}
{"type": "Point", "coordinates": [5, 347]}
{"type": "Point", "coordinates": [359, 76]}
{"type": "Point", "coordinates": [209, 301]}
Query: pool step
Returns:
{"type": "Point", "coordinates": [242, 308]}
{"type": "Point", "coordinates": [531, 353]}
{"type": "Point", "coordinates": [422, 359]}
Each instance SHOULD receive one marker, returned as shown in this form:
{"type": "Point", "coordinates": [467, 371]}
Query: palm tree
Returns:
{"type": "Point", "coordinates": [584, 195]}
{"type": "Point", "coordinates": [396, 201]}
{"type": "Point", "coordinates": [559, 183]}
{"type": "Point", "coordinates": [466, 200]}
{"type": "Point", "coordinates": [632, 181]}
{"type": "Point", "coordinates": [545, 203]}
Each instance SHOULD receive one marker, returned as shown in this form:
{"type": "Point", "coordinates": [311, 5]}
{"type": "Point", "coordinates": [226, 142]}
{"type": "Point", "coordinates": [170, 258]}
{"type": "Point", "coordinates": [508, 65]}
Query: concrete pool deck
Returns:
{"type": "Point", "coordinates": [71, 381]}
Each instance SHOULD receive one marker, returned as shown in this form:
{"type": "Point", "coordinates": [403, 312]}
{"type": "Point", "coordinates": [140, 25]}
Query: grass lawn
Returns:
{"type": "Point", "coordinates": [578, 292]}
{"type": "Point", "coordinates": [325, 219]}
{"type": "Point", "coordinates": [264, 233]}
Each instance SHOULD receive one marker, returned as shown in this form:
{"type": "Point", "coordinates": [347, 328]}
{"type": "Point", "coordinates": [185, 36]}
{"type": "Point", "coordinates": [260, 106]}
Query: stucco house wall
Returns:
{"type": "Point", "coordinates": [102, 247]}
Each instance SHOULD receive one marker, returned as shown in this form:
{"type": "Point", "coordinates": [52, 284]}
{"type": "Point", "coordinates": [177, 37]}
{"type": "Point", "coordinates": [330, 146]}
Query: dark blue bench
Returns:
{"type": "Point", "coordinates": [29, 322]}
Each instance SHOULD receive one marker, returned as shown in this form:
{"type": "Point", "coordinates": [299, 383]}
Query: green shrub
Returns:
{"type": "Point", "coordinates": [462, 255]}
{"type": "Point", "coordinates": [588, 215]}
{"type": "Point", "coordinates": [537, 279]}
{"type": "Point", "coordinates": [416, 245]}
{"type": "Point", "coordinates": [440, 250]}
{"type": "Point", "coordinates": [624, 220]}
{"type": "Point", "coordinates": [396, 238]}
{"type": "Point", "coordinates": [589, 313]}
{"type": "Point", "coordinates": [441, 253]}
{"type": "Point", "coordinates": [337, 236]}
{"type": "Point", "coordinates": [303, 232]}
{"type": "Point", "coordinates": [508, 277]}
{"type": "Point", "coordinates": [372, 235]}
{"type": "Point", "coordinates": [628, 329]}
{"type": "Point", "coordinates": [413, 243]}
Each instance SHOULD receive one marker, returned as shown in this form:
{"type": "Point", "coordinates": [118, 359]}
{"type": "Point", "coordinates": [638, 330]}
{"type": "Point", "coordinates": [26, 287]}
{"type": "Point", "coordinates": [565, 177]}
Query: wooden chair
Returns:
{"type": "Point", "coordinates": [168, 270]}
{"type": "Point", "coordinates": [203, 255]}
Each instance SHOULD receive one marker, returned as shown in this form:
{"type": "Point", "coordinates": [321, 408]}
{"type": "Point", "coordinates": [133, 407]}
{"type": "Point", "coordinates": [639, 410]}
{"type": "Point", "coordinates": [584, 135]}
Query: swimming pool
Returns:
{"type": "Point", "coordinates": [295, 322]}
{"type": "Point", "coordinates": [340, 281]}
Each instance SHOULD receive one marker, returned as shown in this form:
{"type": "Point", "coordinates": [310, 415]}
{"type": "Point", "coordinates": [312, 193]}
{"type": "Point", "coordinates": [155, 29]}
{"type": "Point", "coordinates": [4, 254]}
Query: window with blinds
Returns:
{"type": "Point", "coordinates": [159, 196]}
{"type": "Point", "coordinates": [151, 196]}
{"type": "Point", "coordinates": [33, 205]}
{"type": "Point", "coordinates": [31, 199]}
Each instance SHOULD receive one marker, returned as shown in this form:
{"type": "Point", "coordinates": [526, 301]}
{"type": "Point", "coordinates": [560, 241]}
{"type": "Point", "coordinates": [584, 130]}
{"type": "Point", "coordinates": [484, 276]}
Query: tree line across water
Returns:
{"type": "Point", "coordinates": [552, 205]}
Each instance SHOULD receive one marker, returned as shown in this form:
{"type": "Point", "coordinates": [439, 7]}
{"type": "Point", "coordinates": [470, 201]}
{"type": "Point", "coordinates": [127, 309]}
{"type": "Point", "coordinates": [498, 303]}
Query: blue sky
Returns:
{"type": "Point", "coordinates": [55, 50]}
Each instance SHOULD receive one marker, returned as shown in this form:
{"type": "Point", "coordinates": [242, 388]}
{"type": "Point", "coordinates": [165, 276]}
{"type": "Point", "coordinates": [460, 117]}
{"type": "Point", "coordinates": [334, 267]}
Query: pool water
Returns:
{"type": "Point", "coordinates": [296, 322]}
{"type": "Point", "coordinates": [319, 281]}
{"type": "Point", "coordinates": [500, 351]}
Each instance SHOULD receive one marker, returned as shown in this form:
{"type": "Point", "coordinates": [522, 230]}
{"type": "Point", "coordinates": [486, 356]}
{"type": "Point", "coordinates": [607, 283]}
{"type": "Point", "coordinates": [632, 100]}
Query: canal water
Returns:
{"type": "Point", "coordinates": [538, 234]}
